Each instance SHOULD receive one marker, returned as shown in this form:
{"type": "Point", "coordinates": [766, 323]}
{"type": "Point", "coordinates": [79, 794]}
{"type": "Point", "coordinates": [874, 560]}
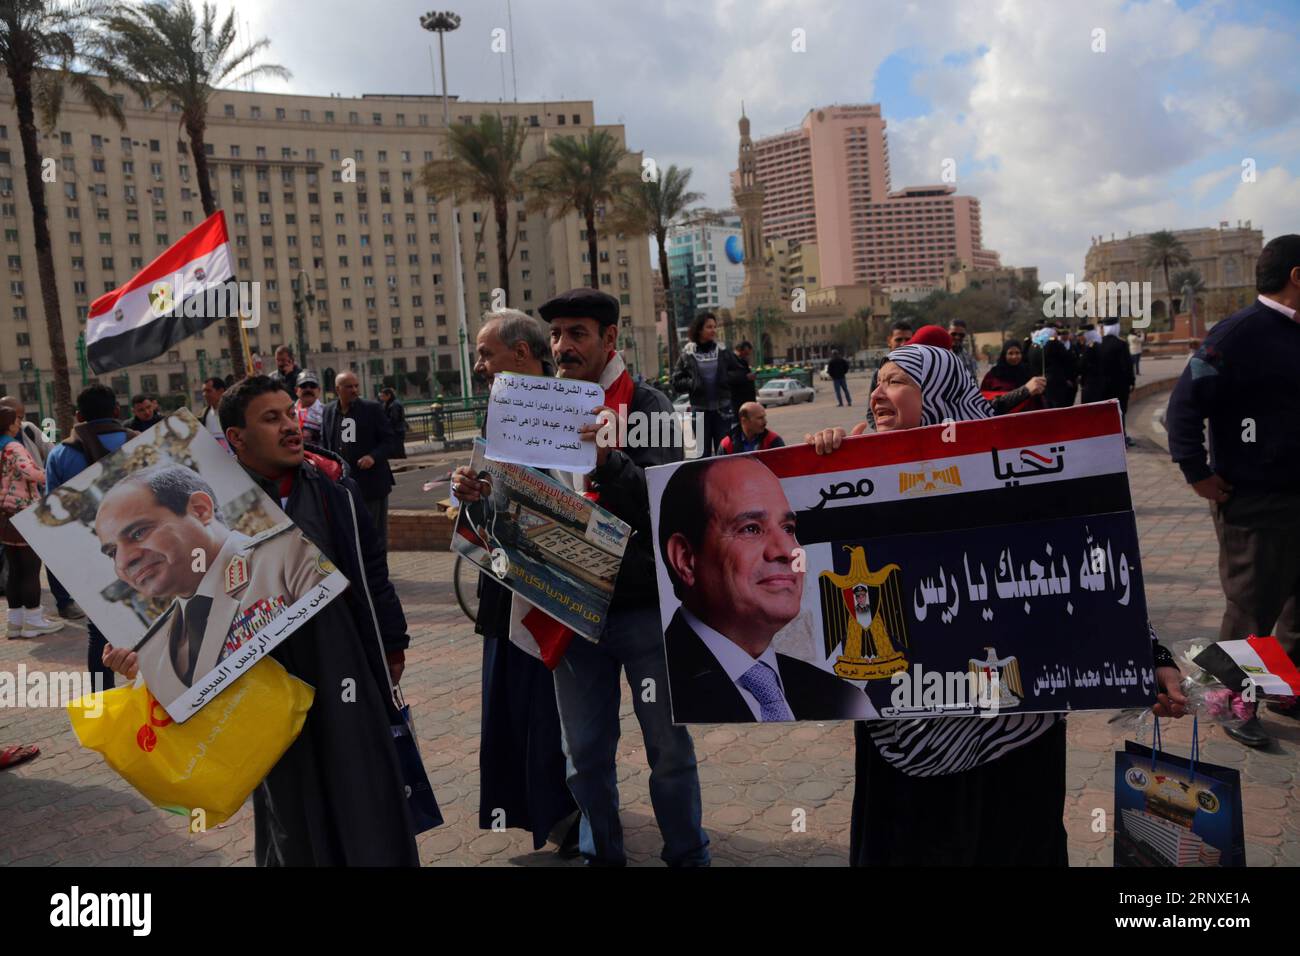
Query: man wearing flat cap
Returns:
{"type": "Point", "coordinates": [583, 331]}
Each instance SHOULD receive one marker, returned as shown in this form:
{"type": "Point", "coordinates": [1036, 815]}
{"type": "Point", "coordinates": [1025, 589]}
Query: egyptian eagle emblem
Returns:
{"type": "Point", "coordinates": [863, 616]}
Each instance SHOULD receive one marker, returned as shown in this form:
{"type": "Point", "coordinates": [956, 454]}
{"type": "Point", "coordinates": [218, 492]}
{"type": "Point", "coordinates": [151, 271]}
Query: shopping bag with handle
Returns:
{"type": "Point", "coordinates": [213, 761]}
{"type": "Point", "coordinates": [1176, 811]}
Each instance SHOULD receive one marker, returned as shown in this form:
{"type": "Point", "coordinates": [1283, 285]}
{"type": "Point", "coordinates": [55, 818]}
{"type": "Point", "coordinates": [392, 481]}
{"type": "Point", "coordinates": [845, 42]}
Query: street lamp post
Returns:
{"type": "Point", "coordinates": [81, 360]}
{"type": "Point", "coordinates": [442, 22]}
{"type": "Point", "coordinates": [304, 304]}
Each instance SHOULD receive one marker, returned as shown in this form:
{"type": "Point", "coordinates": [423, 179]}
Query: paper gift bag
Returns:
{"type": "Point", "coordinates": [1176, 811]}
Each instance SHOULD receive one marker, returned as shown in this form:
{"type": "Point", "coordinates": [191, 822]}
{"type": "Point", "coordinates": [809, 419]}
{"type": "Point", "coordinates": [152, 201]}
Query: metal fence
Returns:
{"type": "Point", "coordinates": [447, 423]}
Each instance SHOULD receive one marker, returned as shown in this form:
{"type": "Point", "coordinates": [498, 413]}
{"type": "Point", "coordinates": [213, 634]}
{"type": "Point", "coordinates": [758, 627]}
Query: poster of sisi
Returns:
{"type": "Point", "coordinates": [983, 567]}
{"type": "Point", "coordinates": [171, 549]}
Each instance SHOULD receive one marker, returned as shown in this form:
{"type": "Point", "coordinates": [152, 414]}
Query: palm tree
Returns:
{"type": "Point", "coordinates": [39, 42]}
{"type": "Point", "coordinates": [650, 208]}
{"type": "Point", "coordinates": [578, 176]}
{"type": "Point", "coordinates": [484, 167]}
{"type": "Point", "coordinates": [155, 45]}
{"type": "Point", "coordinates": [1165, 250]}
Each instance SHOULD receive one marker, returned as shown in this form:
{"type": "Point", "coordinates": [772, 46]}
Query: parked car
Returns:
{"type": "Point", "coordinates": [785, 391]}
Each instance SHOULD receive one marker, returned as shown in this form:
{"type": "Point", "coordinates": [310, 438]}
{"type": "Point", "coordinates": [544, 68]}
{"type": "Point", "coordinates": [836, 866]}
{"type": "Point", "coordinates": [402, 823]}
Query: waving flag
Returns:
{"type": "Point", "coordinates": [184, 290]}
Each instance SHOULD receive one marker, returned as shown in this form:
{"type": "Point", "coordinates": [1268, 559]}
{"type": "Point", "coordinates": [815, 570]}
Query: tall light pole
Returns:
{"type": "Point", "coordinates": [441, 22]}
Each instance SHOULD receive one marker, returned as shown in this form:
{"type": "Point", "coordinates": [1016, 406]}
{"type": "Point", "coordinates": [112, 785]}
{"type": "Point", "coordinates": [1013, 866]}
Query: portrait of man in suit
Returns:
{"type": "Point", "coordinates": [727, 539]}
{"type": "Point", "coordinates": [163, 529]}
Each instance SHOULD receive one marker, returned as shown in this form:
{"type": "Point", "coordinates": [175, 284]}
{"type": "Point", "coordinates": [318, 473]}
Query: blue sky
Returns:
{"type": "Point", "coordinates": [1059, 142]}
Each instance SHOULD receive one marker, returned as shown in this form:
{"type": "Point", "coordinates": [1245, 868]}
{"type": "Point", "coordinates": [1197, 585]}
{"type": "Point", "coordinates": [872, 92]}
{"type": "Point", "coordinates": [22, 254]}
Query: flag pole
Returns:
{"type": "Point", "coordinates": [248, 353]}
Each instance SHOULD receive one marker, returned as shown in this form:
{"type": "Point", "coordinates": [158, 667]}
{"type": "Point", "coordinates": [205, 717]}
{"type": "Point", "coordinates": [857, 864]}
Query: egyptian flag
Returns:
{"type": "Point", "coordinates": [1260, 660]}
{"type": "Point", "coordinates": [184, 290]}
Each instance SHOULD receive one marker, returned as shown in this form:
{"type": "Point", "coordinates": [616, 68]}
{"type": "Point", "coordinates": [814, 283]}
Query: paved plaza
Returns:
{"type": "Point", "coordinates": [67, 807]}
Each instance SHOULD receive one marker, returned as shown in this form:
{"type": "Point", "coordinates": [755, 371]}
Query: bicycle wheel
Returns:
{"type": "Point", "coordinates": [464, 581]}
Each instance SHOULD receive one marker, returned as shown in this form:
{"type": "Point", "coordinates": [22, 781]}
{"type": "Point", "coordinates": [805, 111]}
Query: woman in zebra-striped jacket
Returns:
{"type": "Point", "coordinates": [960, 790]}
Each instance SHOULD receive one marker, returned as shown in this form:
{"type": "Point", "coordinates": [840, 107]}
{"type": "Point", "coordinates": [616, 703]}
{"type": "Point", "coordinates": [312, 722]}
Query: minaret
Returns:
{"type": "Point", "coordinates": [748, 195]}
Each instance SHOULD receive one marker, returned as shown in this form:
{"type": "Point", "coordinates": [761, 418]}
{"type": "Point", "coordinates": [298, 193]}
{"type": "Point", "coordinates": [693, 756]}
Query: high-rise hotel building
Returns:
{"type": "Point", "coordinates": [828, 181]}
{"type": "Point", "coordinates": [324, 190]}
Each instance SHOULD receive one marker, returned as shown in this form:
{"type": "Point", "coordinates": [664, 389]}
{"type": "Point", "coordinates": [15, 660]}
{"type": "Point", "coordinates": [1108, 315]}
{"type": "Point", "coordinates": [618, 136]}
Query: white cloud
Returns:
{"type": "Point", "coordinates": [1058, 142]}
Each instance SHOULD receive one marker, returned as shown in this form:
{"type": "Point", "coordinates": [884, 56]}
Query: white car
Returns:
{"type": "Point", "coordinates": [785, 391]}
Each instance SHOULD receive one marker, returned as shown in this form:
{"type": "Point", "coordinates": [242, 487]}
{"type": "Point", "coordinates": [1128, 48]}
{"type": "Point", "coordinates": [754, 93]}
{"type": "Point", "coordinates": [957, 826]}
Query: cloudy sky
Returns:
{"type": "Point", "coordinates": [1059, 141]}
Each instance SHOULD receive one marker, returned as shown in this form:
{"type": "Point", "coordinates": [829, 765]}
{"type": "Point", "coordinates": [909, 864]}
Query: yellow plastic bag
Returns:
{"type": "Point", "coordinates": [213, 761]}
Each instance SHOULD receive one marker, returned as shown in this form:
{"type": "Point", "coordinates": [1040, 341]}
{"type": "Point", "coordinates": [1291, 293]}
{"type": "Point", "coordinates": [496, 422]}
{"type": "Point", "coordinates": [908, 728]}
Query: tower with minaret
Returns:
{"type": "Point", "coordinates": [757, 291]}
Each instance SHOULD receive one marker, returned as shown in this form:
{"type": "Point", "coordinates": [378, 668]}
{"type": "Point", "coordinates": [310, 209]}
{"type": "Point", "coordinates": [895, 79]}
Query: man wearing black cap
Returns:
{"type": "Point", "coordinates": [584, 329]}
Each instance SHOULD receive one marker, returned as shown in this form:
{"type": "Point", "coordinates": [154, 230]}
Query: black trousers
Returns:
{"type": "Point", "coordinates": [1259, 566]}
{"type": "Point", "coordinates": [378, 508]}
{"type": "Point", "coordinates": [1005, 813]}
{"type": "Point", "coordinates": [23, 581]}
{"type": "Point", "coordinates": [96, 642]}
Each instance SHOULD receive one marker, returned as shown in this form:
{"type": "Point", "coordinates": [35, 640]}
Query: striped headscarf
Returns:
{"type": "Point", "coordinates": [927, 747]}
{"type": "Point", "coordinates": [947, 390]}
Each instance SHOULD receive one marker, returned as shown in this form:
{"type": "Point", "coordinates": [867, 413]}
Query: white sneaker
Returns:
{"type": "Point", "coordinates": [35, 624]}
{"type": "Point", "coordinates": [14, 630]}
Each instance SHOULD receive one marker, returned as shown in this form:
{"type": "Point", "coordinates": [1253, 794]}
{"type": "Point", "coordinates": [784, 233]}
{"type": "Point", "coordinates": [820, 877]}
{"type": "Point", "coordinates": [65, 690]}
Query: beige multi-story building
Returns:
{"type": "Point", "coordinates": [318, 187]}
{"type": "Point", "coordinates": [1225, 258]}
{"type": "Point", "coordinates": [1004, 281]}
{"type": "Point", "coordinates": [828, 182]}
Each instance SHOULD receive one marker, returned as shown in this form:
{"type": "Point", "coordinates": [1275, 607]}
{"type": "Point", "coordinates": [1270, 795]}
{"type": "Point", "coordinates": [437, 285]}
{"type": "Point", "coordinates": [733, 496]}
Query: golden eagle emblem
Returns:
{"type": "Point", "coordinates": [862, 613]}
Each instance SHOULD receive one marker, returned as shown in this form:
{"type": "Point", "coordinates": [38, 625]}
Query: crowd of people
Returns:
{"type": "Point", "coordinates": [956, 790]}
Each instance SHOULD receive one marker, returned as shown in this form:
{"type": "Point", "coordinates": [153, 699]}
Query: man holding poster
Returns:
{"type": "Point", "coordinates": [584, 330]}
{"type": "Point", "coordinates": [336, 797]}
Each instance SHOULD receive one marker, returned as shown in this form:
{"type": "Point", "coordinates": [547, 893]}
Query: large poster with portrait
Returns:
{"type": "Point", "coordinates": [975, 567]}
{"type": "Point", "coordinates": [172, 550]}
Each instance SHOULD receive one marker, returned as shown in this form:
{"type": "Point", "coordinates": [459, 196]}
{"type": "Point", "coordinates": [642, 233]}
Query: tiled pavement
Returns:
{"type": "Point", "coordinates": [68, 807]}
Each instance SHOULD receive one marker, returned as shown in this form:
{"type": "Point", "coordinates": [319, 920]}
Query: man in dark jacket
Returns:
{"type": "Point", "coordinates": [144, 414]}
{"type": "Point", "coordinates": [336, 797]}
{"type": "Point", "coordinates": [838, 370]}
{"type": "Point", "coordinates": [358, 431]}
{"type": "Point", "coordinates": [397, 418]}
{"type": "Point", "coordinates": [286, 371]}
{"type": "Point", "coordinates": [1061, 370]}
{"type": "Point", "coordinates": [584, 330]}
{"type": "Point", "coordinates": [1243, 380]}
{"type": "Point", "coordinates": [1115, 368]}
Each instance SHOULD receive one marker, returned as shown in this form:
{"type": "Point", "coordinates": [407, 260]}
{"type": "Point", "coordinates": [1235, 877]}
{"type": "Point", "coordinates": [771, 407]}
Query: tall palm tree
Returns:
{"type": "Point", "coordinates": [578, 176]}
{"type": "Point", "coordinates": [484, 167]}
{"type": "Point", "coordinates": [155, 45]}
{"type": "Point", "coordinates": [649, 208]}
{"type": "Point", "coordinates": [39, 43]}
{"type": "Point", "coordinates": [1165, 250]}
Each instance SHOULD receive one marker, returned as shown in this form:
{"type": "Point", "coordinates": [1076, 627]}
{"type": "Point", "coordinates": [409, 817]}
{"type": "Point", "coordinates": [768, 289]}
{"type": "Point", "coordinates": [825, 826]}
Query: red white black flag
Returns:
{"type": "Point", "coordinates": [1257, 660]}
{"type": "Point", "coordinates": [185, 289]}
